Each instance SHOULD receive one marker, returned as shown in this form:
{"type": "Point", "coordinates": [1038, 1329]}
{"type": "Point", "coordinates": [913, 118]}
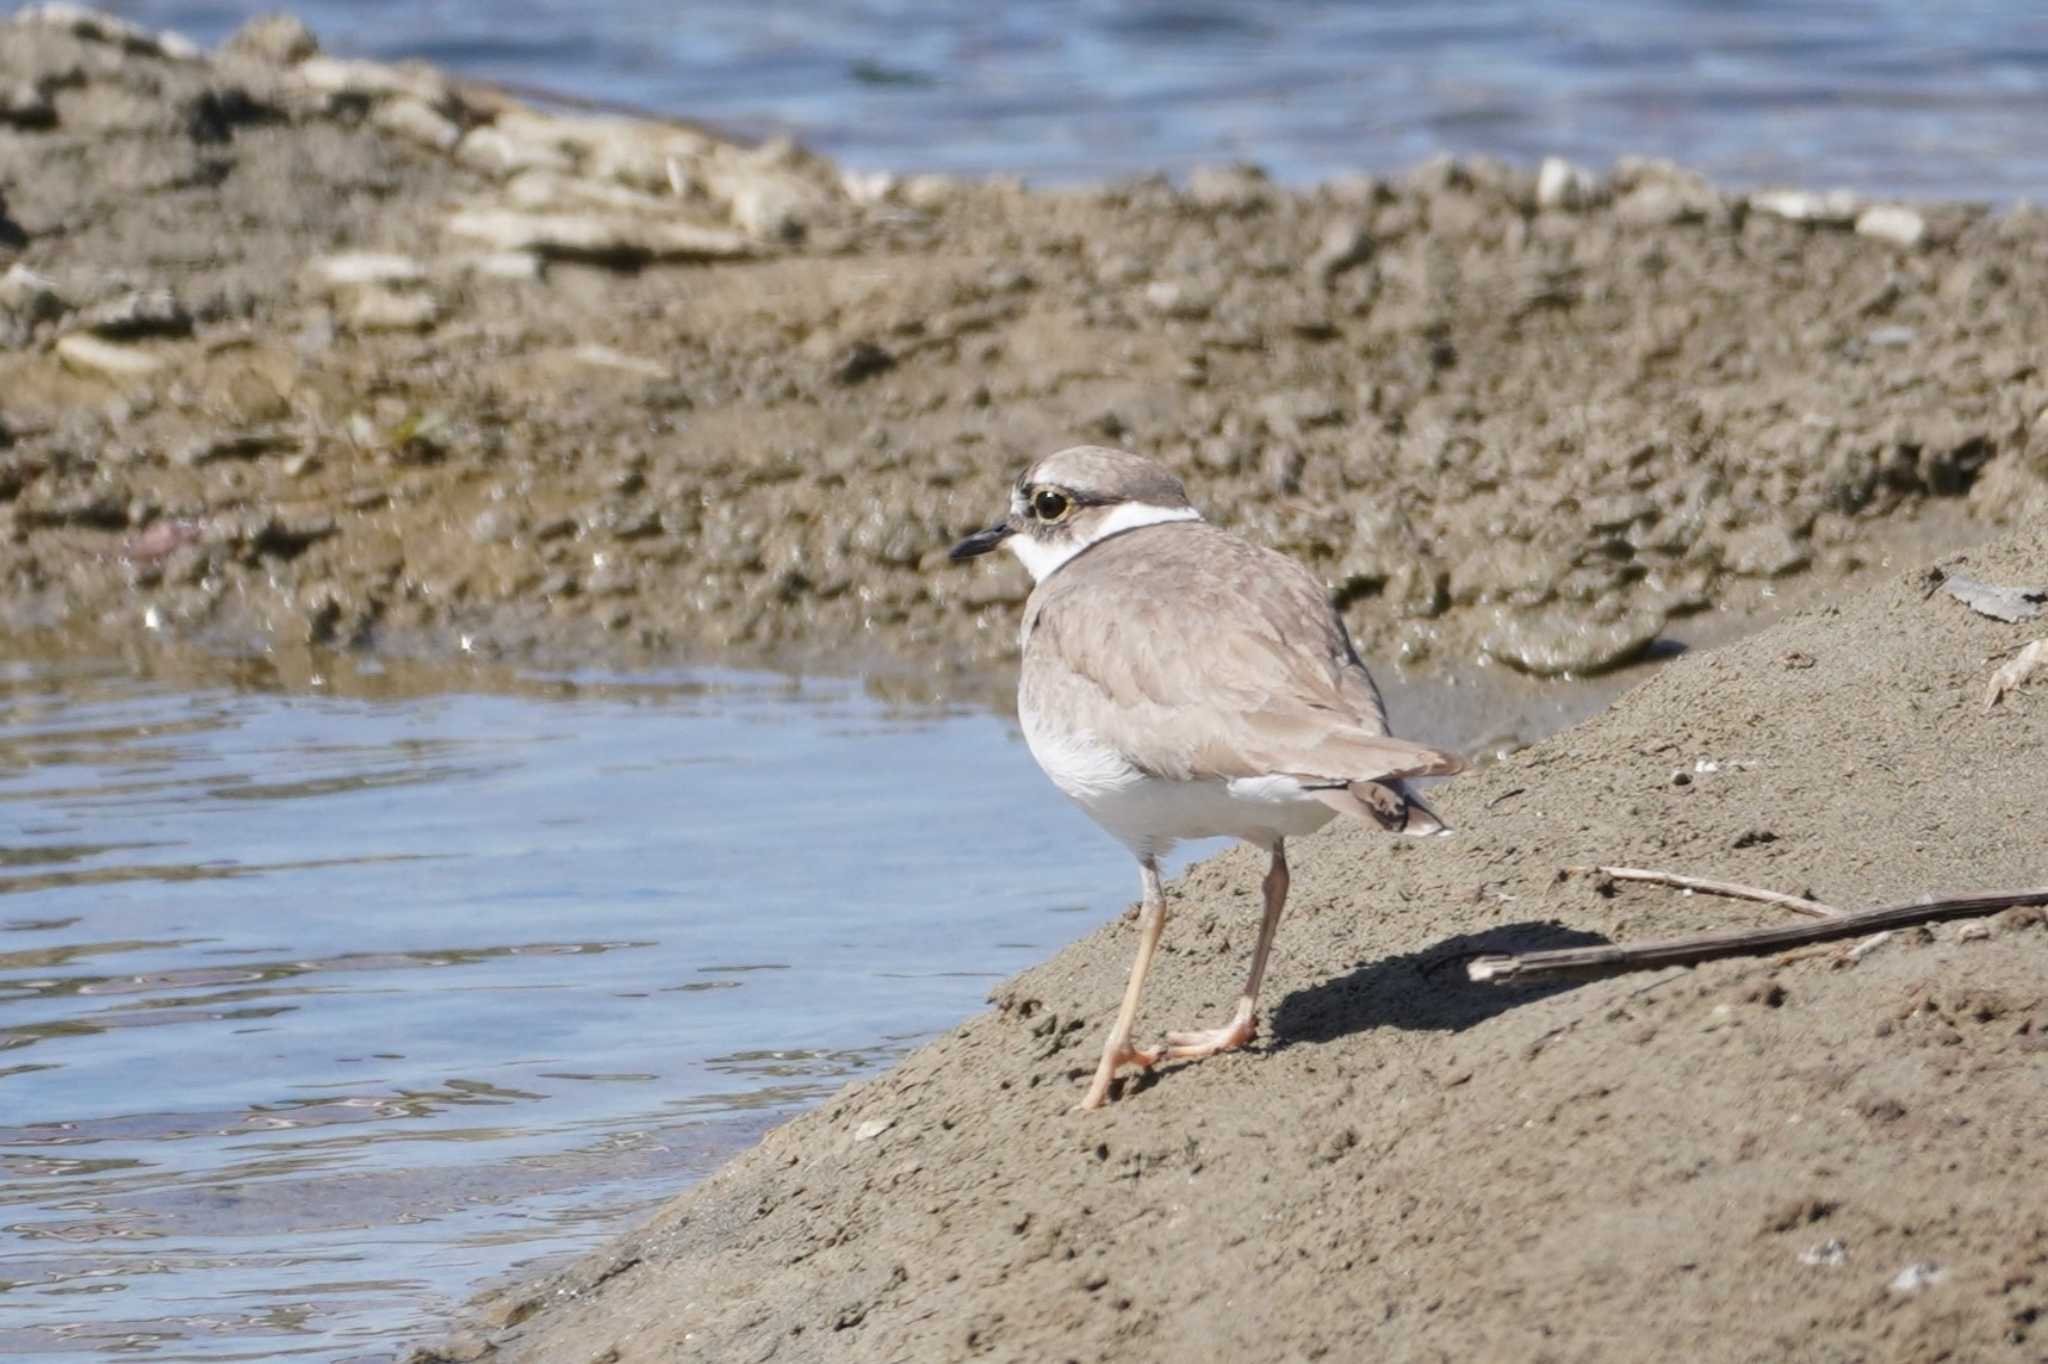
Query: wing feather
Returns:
{"type": "Point", "coordinates": [1193, 651]}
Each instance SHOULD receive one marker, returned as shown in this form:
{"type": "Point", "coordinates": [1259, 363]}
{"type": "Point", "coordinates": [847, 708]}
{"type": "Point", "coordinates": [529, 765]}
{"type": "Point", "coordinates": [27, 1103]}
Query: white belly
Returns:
{"type": "Point", "coordinates": [1149, 814]}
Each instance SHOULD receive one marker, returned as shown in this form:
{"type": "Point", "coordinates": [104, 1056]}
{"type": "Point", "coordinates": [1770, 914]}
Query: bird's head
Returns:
{"type": "Point", "coordinates": [1070, 500]}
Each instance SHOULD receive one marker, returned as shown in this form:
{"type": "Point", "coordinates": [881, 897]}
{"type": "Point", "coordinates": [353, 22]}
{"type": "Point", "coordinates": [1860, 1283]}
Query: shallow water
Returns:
{"type": "Point", "coordinates": [316, 1012]}
{"type": "Point", "coordinates": [1881, 95]}
{"type": "Point", "coordinates": [326, 998]}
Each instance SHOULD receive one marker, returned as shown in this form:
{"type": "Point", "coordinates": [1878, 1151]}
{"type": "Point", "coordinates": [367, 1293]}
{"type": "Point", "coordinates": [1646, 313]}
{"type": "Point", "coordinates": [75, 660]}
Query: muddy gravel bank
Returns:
{"type": "Point", "coordinates": [301, 349]}
{"type": "Point", "coordinates": [1822, 1157]}
{"type": "Point", "coordinates": [325, 354]}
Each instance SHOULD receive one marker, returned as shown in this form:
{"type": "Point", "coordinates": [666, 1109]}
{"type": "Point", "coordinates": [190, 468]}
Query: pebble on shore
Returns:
{"type": "Point", "coordinates": [1536, 416]}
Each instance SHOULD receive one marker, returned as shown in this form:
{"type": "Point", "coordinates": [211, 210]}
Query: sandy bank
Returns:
{"type": "Point", "coordinates": [1745, 1161]}
{"type": "Point", "coordinates": [308, 353]}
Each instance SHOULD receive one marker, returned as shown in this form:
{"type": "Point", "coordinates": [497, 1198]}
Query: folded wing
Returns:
{"type": "Point", "coordinates": [1211, 655]}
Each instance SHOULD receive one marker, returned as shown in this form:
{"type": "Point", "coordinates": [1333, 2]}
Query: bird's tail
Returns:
{"type": "Point", "coordinates": [1421, 819]}
{"type": "Point", "coordinates": [1389, 804]}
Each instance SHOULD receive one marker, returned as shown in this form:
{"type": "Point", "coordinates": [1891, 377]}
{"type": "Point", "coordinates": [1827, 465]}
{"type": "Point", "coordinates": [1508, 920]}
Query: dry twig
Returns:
{"type": "Point", "coordinates": [1798, 904]}
{"type": "Point", "coordinates": [1615, 959]}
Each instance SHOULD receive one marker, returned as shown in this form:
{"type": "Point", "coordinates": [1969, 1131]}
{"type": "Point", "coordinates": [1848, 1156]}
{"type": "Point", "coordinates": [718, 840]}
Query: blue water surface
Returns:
{"type": "Point", "coordinates": [1885, 96]}
{"type": "Point", "coordinates": [318, 1011]}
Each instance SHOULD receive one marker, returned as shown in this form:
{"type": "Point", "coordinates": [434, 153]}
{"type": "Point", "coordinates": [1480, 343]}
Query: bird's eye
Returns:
{"type": "Point", "coordinates": [1049, 505]}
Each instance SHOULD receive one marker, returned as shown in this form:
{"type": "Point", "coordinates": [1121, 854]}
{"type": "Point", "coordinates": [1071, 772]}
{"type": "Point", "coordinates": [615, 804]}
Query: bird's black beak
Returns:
{"type": "Point", "coordinates": [981, 542]}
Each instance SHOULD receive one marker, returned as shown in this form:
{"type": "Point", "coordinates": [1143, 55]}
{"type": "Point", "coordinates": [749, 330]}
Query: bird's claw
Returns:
{"type": "Point", "coordinates": [1192, 1046]}
{"type": "Point", "coordinates": [1098, 1093]}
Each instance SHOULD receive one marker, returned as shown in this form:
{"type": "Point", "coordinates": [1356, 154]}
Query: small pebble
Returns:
{"type": "Point", "coordinates": [378, 309]}
{"type": "Point", "coordinates": [861, 360]}
{"type": "Point", "coordinates": [928, 192]}
{"type": "Point", "coordinates": [1344, 245]}
{"type": "Point", "coordinates": [1180, 299]}
{"type": "Point", "coordinates": [30, 295]}
{"type": "Point", "coordinates": [495, 525]}
{"type": "Point", "coordinates": [143, 312]}
{"type": "Point", "coordinates": [348, 269]}
{"type": "Point", "coordinates": [1562, 185]}
{"type": "Point", "coordinates": [412, 119]}
{"type": "Point", "coordinates": [278, 39]}
{"type": "Point", "coordinates": [605, 357]}
{"type": "Point", "coordinates": [1915, 1277]}
{"type": "Point", "coordinates": [90, 355]}
{"type": "Point", "coordinates": [606, 238]}
{"type": "Point", "coordinates": [1282, 467]}
{"type": "Point", "coordinates": [512, 265]}
{"type": "Point", "coordinates": [25, 105]}
{"type": "Point", "coordinates": [1828, 1253]}
{"type": "Point", "coordinates": [1834, 208]}
{"type": "Point", "coordinates": [1893, 223]}
{"type": "Point", "coordinates": [1233, 188]}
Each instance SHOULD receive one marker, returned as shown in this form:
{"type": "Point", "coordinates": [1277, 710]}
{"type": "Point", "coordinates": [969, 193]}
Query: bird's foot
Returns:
{"type": "Point", "coordinates": [1143, 1057]}
{"type": "Point", "coordinates": [1192, 1046]}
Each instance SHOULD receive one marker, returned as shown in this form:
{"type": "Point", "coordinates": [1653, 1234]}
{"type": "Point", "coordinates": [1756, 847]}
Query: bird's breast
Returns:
{"type": "Point", "coordinates": [1081, 764]}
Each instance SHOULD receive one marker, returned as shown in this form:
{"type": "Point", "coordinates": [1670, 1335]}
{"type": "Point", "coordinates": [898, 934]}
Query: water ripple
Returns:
{"type": "Point", "coordinates": [1890, 96]}
{"type": "Point", "coordinates": [302, 995]}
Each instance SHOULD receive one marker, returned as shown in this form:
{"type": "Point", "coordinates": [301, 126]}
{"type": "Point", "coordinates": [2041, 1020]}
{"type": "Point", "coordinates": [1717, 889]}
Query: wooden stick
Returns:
{"type": "Point", "coordinates": [1615, 959]}
{"type": "Point", "coordinates": [1798, 904]}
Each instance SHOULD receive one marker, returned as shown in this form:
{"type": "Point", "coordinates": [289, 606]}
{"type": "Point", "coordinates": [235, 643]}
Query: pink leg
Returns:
{"type": "Point", "coordinates": [1118, 1048]}
{"type": "Point", "coordinates": [1244, 1023]}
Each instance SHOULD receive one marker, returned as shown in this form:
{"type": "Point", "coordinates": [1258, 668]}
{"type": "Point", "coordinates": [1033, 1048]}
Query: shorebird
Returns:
{"type": "Point", "coordinates": [1180, 681]}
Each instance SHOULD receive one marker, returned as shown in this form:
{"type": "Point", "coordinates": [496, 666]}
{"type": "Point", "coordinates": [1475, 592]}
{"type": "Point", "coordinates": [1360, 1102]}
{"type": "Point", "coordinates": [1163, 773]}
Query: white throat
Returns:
{"type": "Point", "coordinates": [1040, 557]}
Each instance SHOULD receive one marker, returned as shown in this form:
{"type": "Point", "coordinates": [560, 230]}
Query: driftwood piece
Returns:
{"type": "Point", "coordinates": [1798, 904]}
{"type": "Point", "coordinates": [2009, 604]}
{"type": "Point", "coordinates": [1617, 959]}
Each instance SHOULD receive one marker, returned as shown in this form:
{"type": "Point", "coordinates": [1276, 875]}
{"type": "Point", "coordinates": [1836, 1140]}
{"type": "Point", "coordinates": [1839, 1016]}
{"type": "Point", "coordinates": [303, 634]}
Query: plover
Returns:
{"type": "Point", "coordinates": [1180, 681]}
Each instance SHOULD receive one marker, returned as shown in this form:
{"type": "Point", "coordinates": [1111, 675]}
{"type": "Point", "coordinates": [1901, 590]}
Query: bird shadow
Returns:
{"type": "Point", "coordinates": [1425, 991]}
